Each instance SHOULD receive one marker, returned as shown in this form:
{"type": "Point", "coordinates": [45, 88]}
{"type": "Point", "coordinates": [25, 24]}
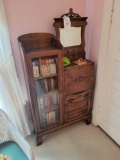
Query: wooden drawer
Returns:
{"type": "Point", "coordinates": [83, 70]}
{"type": "Point", "coordinates": [78, 105]}
{"type": "Point", "coordinates": [78, 97]}
{"type": "Point", "coordinates": [77, 84]}
{"type": "Point", "coordinates": [78, 79]}
{"type": "Point", "coordinates": [76, 114]}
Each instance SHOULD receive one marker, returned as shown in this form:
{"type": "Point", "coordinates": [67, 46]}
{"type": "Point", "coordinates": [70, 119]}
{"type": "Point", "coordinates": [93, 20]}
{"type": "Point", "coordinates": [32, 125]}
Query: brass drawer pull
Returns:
{"type": "Point", "coordinates": [86, 95]}
{"type": "Point", "coordinates": [71, 100]}
{"type": "Point", "coordinates": [79, 79]}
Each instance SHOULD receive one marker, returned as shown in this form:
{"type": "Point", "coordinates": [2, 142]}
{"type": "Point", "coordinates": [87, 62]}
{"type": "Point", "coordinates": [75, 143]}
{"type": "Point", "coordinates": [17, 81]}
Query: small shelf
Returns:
{"type": "Point", "coordinates": [74, 65]}
{"type": "Point", "coordinates": [48, 76]}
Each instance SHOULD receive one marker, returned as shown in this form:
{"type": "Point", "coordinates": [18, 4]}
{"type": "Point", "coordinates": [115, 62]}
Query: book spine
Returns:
{"type": "Point", "coordinates": [42, 62]}
{"type": "Point", "coordinates": [36, 72]}
{"type": "Point", "coordinates": [48, 100]}
{"type": "Point", "coordinates": [46, 85]}
{"type": "Point", "coordinates": [41, 103]}
{"type": "Point", "coordinates": [54, 98]}
{"type": "Point", "coordinates": [52, 68]}
{"type": "Point", "coordinates": [52, 83]}
{"type": "Point", "coordinates": [45, 102]}
{"type": "Point", "coordinates": [46, 61]}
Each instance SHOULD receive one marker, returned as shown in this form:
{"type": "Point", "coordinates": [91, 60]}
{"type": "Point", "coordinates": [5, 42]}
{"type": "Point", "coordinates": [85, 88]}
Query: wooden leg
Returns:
{"type": "Point", "coordinates": [88, 121]}
{"type": "Point", "coordinates": [39, 140]}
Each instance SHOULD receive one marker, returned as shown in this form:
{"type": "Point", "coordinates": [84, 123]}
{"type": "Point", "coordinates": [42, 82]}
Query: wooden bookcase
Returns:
{"type": "Point", "coordinates": [43, 67]}
{"type": "Point", "coordinates": [59, 96]}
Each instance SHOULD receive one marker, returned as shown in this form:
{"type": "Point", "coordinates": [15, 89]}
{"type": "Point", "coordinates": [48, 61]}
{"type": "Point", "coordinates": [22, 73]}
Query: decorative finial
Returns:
{"type": "Point", "coordinates": [71, 11]}
{"type": "Point", "coordinates": [71, 14]}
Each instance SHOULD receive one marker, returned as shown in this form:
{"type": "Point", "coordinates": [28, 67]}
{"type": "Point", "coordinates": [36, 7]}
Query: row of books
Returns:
{"type": "Point", "coordinates": [44, 67]}
{"type": "Point", "coordinates": [46, 61]}
{"type": "Point", "coordinates": [50, 118]}
{"type": "Point", "coordinates": [48, 101]}
{"type": "Point", "coordinates": [45, 85]}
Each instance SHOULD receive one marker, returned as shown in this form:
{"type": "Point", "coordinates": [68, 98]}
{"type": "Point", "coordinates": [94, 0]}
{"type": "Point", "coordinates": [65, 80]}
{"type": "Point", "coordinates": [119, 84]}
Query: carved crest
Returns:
{"type": "Point", "coordinates": [71, 14]}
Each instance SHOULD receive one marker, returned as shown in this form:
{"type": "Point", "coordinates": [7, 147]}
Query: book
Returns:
{"type": "Point", "coordinates": [51, 101]}
{"type": "Point", "coordinates": [49, 118]}
{"type": "Point", "coordinates": [46, 61]}
{"type": "Point", "coordinates": [42, 62]}
{"type": "Point", "coordinates": [38, 88]}
{"type": "Point", "coordinates": [44, 120]}
{"type": "Point", "coordinates": [56, 60]}
{"type": "Point", "coordinates": [45, 102]}
{"type": "Point", "coordinates": [35, 69]}
{"type": "Point", "coordinates": [41, 103]}
{"type": "Point", "coordinates": [54, 99]}
{"type": "Point", "coordinates": [58, 99]}
{"type": "Point", "coordinates": [45, 70]}
{"type": "Point", "coordinates": [48, 101]}
{"type": "Point", "coordinates": [46, 85]}
{"type": "Point", "coordinates": [52, 68]}
{"type": "Point", "coordinates": [57, 115]}
{"type": "Point", "coordinates": [38, 100]}
{"type": "Point", "coordinates": [51, 60]}
{"type": "Point", "coordinates": [42, 85]}
{"type": "Point", "coordinates": [52, 83]}
{"type": "Point", "coordinates": [53, 117]}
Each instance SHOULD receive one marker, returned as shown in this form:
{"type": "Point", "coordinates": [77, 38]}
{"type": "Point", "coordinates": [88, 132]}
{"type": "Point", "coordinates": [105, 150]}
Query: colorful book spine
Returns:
{"type": "Point", "coordinates": [42, 62]}
{"type": "Point", "coordinates": [47, 66]}
{"type": "Point", "coordinates": [41, 103]}
{"type": "Point", "coordinates": [52, 83]}
{"type": "Point", "coordinates": [36, 72]}
{"type": "Point", "coordinates": [50, 118]}
{"type": "Point", "coordinates": [45, 102]}
{"type": "Point", "coordinates": [52, 68]}
{"type": "Point", "coordinates": [46, 85]}
{"type": "Point", "coordinates": [48, 100]}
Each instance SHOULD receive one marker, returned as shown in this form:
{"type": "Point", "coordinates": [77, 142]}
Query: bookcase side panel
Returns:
{"type": "Point", "coordinates": [60, 72]}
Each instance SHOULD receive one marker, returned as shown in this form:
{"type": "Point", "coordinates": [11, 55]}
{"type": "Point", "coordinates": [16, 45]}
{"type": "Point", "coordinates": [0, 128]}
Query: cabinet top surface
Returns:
{"type": "Point", "coordinates": [75, 65]}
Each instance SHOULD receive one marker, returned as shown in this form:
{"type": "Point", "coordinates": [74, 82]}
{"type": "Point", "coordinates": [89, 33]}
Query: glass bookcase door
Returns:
{"type": "Point", "coordinates": [48, 106]}
{"type": "Point", "coordinates": [45, 71]}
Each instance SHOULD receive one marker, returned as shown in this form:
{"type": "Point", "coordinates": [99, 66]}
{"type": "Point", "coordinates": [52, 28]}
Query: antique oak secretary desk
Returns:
{"type": "Point", "coordinates": [59, 95]}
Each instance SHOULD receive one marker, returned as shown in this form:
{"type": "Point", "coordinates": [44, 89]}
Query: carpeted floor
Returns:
{"type": "Point", "coordinates": [76, 142]}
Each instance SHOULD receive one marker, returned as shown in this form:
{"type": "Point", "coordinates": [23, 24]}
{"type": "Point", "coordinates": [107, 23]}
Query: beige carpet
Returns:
{"type": "Point", "coordinates": [76, 142]}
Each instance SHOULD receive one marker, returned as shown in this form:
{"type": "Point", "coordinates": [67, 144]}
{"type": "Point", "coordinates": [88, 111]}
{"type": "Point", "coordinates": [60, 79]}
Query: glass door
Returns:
{"type": "Point", "coordinates": [45, 71]}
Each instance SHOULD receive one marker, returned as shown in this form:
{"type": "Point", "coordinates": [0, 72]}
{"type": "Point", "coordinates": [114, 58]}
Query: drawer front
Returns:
{"type": "Point", "coordinates": [78, 105]}
{"type": "Point", "coordinates": [78, 79]}
{"type": "Point", "coordinates": [76, 84]}
{"type": "Point", "coordinates": [78, 97]}
{"type": "Point", "coordinates": [76, 114]}
{"type": "Point", "coordinates": [83, 70]}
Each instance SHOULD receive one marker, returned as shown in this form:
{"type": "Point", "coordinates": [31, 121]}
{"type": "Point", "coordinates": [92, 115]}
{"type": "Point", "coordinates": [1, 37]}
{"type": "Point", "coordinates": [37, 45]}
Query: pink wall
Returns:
{"type": "Point", "coordinates": [94, 10]}
{"type": "Point", "coordinates": [26, 16]}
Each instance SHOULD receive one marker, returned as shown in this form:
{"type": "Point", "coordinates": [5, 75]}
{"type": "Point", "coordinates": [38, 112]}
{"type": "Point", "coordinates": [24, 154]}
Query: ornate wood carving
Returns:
{"type": "Point", "coordinates": [73, 52]}
{"type": "Point", "coordinates": [71, 14]}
